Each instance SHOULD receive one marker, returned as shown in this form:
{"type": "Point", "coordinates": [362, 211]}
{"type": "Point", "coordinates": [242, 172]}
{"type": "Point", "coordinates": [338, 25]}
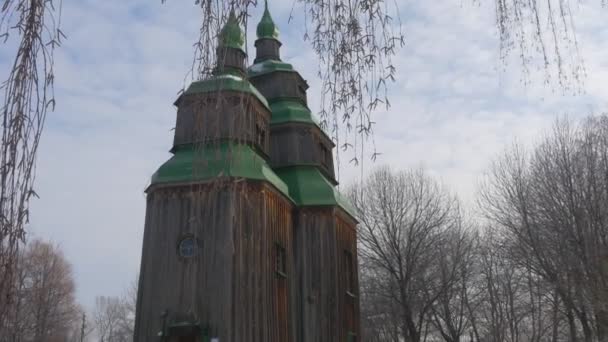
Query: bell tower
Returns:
{"type": "Point", "coordinates": [217, 250]}
{"type": "Point", "coordinates": [246, 237]}
{"type": "Point", "coordinates": [325, 248]}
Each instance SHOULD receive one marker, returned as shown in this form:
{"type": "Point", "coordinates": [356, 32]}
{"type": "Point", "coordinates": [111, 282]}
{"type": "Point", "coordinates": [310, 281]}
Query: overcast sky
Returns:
{"type": "Point", "coordinates": [119, 71]}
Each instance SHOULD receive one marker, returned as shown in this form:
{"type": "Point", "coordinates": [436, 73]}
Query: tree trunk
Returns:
{"type": "Point", "coordinates": [587, 331]}
{"type": "Point", "coordinates": [572, 326]}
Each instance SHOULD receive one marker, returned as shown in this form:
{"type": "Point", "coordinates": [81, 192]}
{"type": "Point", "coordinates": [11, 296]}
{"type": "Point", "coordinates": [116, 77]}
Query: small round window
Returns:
{"type": "Point", "coordinates": [187, 247]}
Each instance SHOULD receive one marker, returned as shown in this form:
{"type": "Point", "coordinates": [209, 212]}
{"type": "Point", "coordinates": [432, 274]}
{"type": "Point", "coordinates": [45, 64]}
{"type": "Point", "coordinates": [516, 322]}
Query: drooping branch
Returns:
{"type": "Point", "coordinates": [542, 35]}
{"type": "Point", "coordinates": [355, 42]}
{"type": "Point", "coordinates": [213, 16]}
{"type": "Point", "coordinates": [34, 27]}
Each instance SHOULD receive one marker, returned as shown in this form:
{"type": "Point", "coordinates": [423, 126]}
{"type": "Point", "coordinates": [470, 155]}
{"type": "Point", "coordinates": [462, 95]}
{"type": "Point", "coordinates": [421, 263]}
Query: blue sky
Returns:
{"type": "Point", "coordinates": [118, 73]}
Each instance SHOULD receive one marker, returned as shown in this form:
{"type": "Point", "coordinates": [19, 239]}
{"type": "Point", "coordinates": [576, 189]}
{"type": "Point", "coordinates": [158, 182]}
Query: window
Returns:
{"type": "Point", "coordinates": [325, 156]}
{"type": "Point", "coordinates": [302, 92]}
{"type": "Point", "coordinates": [187, 247]}
{"type": "Point", "coordinates": [280, 260]}
{"type": "Point", "coordinates": [260, 136]}
{"type": "Point", "coordinates": [349, 269]}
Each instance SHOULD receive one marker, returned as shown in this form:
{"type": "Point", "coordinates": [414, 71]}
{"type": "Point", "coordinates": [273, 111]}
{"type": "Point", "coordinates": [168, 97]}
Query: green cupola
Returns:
{"type": "Point", "coordinates": [266, 28]}
{"type": "Point", "coordinates": [231, 35]}
{"type": "Point", "coordinates": [301, 155]}
{"type": "Point", "coordinates": [267, 45]}
{"type": "Point", "coordinates": [230, 54]}
{"type": "Point", "coordinates": [222, 123]}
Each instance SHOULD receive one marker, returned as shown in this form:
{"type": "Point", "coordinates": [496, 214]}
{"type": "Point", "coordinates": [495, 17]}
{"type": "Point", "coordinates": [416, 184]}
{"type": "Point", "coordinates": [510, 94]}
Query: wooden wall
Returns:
{"type": "Point", "coordinates": [349, 299]}
{"type": "Point", "coordinates": [231, 287]}
{"type": "Point", "coordinates": [281, 84]}
{"type": "Point", "coordinates": [301, 144]}
{"type": "Point", "coordinates": [233, 115]}
{"type": "Point", "coordinates": [325, 311]}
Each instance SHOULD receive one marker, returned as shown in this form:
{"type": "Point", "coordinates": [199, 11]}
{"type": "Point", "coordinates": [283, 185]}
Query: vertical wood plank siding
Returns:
{"type": "Point", "coordinates": [281, 84]}
{"type": "Point", "coordinates": [348, 301]}
{"type": "Point", "coordinates": [300, 144]}
{"type": "Point", "coordinates": [324, 310]}
{"type": "Point", "coordinates": [233, 115]}
{"type": "Point", "coordinates": [231, 286]}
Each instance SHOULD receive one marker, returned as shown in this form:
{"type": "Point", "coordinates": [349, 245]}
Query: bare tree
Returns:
{"type": "Point", "coordinates": [380, 318]}
{"type": "Point", "coordinates": [551, 206]}
{"type": "Point", "coordinates": [406, 221]}
{"type": "Point", "coordinates": [28, 94]}
{"type": "Point", "coordinates": [500, 308]}
{"type": "Point", "coordinates": [448, 314]}
{"type": "Point", "coordinates": [115, 316]}
{"type": "Point", "coordinates": [45, 307]}
{"type": "Point", "coordinates": [508, 301]}
{"type": "Point", "coordinates": [129, 302]}
{"type": "Point", "coordinates": [109, 315]}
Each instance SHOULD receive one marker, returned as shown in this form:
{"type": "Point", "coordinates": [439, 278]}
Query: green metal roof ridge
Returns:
{"type": "Point", "coordinates": [226, 159]}
{"type": "Point", "coordinates": [268, 66]}
{"type": "Point", "coordinates": [287, 110]}
{"type": "Point", "coordinates": [281, 115]}
{"type": "Point", "coordinates": [226, 81]}
{"type": "Point", "coordinates": [309, 187]}
{"type": "Point", "coordinates": [267, 28]}
{"type": "Point", "coordinates": [231, 34]}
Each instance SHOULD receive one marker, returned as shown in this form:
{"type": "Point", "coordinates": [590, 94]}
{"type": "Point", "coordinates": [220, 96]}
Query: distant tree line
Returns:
{"type": "Point", "coordinates": [45, 308]}
{"type": "Point", "coordinates": [114, 317]}
{"type": "Point", "coordinates": [533, 267]}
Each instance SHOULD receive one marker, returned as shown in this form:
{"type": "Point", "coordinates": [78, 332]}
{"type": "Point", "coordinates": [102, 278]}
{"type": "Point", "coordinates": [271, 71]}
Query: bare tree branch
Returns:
{"type": "Point", "coordinates": [28, 95]}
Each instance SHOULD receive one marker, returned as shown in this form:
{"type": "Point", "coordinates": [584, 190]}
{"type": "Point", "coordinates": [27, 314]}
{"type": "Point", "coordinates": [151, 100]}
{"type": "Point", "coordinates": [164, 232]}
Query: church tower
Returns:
{"type": "Point", "coordinates": [246, 237]}
{"type": "Point", "coordinates": [325, 249]}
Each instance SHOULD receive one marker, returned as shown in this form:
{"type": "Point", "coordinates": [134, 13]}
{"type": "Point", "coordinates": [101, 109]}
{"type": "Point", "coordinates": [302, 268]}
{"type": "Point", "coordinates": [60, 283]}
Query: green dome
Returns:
{"type": "Point", "coordinates": [266, 27]}
{"type": "Point", "coordinates": [231, 34]}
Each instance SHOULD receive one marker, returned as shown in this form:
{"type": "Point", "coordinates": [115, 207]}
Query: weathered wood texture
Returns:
{"type": "Point", "coordinates": [281, 85]}
{"type": "Point", "coordinates": [230, 58]}
{"type": "Point", "coordinates": [267, 49]}
{"type": "Point", "coordinates": [232, 115]}
{"type": "Point", "coordinates": [325, 311]}
{"type": "Point", "coordinates": [231, 286]}
{"type": "Point", "coordinates": [348, 301]}
{"type": "Point", "coordinates": [301, 144]}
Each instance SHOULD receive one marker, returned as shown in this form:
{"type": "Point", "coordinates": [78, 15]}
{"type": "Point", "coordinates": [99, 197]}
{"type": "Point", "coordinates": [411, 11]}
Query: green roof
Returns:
{"type": "Point", "coordinates": [225, 82]}
{"type": "Point", "coordinates": [268, 66]}
{"type": "Point", "coordinates": [222, 159]}
{"type": "Point", "coordinates": [290, 111]}
{"type": "Point", "coordinates": [309, 187]}
{"type": "Point", "coordinates": [266, 28]}
{"type": "Point", "coordinates": [231, 34]}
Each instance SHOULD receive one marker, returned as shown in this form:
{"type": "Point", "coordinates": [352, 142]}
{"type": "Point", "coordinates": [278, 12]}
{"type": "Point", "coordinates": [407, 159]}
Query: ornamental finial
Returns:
{"type": "Point", "coordinates": [267, 28]}
{"type": "Point", "coordinates": [231, 34]}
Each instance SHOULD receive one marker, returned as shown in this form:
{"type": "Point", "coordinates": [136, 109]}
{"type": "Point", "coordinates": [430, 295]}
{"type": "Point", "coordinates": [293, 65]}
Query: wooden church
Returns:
{"type": "Point", "coordinates": [246, 237]}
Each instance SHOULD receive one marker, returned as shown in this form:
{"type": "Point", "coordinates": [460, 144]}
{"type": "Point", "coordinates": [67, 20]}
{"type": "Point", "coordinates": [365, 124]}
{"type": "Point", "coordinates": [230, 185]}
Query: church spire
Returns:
{"type": "Point", "coordinates": [231, 34]}
{"type": "Point", "coordinates": [268, 44]}
{"type": "Point", "coordinates": [230, 54]}
{"type": "Point", "coordinates": [267, 28]}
